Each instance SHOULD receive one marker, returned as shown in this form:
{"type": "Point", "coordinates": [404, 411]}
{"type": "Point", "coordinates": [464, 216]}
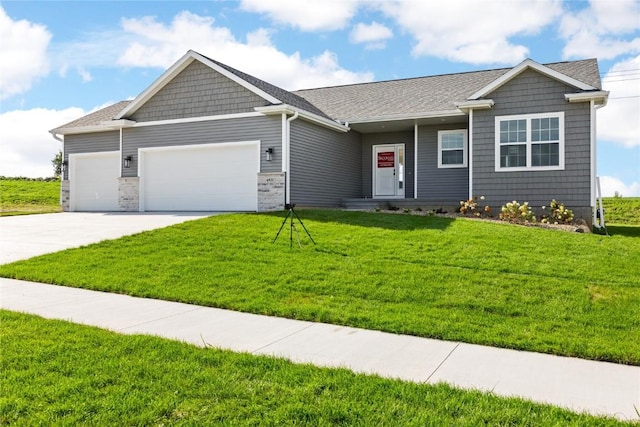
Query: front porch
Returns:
{"type": "Point", "coordinates": [387, 203]}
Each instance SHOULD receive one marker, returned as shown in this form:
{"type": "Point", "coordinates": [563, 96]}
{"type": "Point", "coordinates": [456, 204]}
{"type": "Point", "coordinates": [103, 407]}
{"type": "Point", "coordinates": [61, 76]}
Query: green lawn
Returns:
{"type": "Point", "coordinates": [20, 196]}
{"type": "Point", "coordinates": [487, 283]}
{"type": "Point", "coordinates": [57, 373]}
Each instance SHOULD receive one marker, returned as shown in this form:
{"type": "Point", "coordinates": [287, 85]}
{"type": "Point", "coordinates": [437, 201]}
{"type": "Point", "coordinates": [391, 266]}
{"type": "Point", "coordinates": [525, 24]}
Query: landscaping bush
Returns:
{"type": "Point", "coordinates": [559, 214]}
{"type": "Point", "coordinates": [516, 212]}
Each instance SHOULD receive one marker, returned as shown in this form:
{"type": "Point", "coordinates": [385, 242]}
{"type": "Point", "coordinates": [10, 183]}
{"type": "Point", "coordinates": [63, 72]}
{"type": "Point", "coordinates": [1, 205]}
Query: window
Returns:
{"type": "Point", "coordinates": [452, 148]}
{"type": "Point", "coordinates": [530, 142]}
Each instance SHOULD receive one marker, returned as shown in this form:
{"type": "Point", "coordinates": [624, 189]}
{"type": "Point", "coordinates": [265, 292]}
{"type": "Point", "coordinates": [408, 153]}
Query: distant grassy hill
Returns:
{"type": "Point", "coordinates": [20, 196]}
{"type": "Point", "coordinates": [622, 210]}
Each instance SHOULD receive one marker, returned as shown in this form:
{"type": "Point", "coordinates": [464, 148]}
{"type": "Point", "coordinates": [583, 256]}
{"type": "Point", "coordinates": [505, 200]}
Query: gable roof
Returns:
{"type": "Point", "coordinates": [412, 98]}
{"type": "Point", "coordinates": [397, 98]}
{"type": "Point", "coordinates": [272, 94]}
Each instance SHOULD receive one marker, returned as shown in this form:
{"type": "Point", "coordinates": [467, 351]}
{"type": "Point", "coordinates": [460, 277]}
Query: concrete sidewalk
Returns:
{"type": "Point", "coordinates": [580, 385]}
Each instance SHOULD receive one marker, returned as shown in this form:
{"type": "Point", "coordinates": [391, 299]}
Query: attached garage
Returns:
{"type": "Point", "coordinates": [206, 177]}
{"type": "Point", "coordinates": [94, 181]}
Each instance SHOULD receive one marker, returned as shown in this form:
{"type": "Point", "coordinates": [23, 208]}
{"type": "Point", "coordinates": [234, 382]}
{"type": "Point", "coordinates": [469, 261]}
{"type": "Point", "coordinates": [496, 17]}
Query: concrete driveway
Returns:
{"type": "Point", "coordinates": [26, 236]}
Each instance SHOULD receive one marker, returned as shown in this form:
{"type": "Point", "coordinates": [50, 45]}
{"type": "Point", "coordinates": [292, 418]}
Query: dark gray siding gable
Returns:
{"type": "Point", "coordinates": [91, 143]}
{"type": "Point", "coordinates": [325, 165]}
{"type": "Point", "coordinates": [267, 129]}
{"type": "Point", "coordinates": [198, 91]}
{"type": "Point", "coordinates": [439, 185]}
{"type": "Point", "coordinates": [530, 93]}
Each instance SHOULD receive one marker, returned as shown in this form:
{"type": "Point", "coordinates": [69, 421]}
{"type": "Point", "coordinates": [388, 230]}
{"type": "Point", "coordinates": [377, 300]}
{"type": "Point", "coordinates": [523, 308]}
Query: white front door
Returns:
{"type": "Point", "coordinates": [388, 171]}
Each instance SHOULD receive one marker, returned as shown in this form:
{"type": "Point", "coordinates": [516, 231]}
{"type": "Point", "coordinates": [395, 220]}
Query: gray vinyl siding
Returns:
{"type": "Point", "coordinates": [325, 165]}
{"type": "Point", "coordinates": [90, 143]}
{"type": "Point", "coordinates": [266, 129]}
{"type": "Point", "coordinates": [439, 185]}
{"type": "Point", "coordinates": [196, 92]}
{"type": "Point", "coordinates": [526, 94]}
{"type": "Point", "coordinates": [369, 140]}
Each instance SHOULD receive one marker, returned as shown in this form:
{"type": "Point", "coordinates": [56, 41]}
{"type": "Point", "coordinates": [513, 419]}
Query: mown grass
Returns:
{"type": "Point", "coordinates": [20, 196]}
{"type": "Point", "coordinates": [622, 210]}
{"type": "Point", "coordinates": [465, 280]}
{"type": "Point", "coordinates": [57, 373]}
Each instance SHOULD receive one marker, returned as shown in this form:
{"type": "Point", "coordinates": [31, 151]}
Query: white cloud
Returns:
{"type": "Point", "coordinates": [24, 54]}
{"type": "Point", "coordinates": [610, 185]}
{"type": "Point", "coordinates": [597, 30]}
{"type": "Point", "coordinates": [373, 35]}
{"type": "Point", "coordinates": [307, 15]}
{"type": "Point", "coordinates": [155, 44]}
{"type": "Point", "coordinates": [619, 120]}
{"type": "Point", "coordinates": [25, 143]}
{"type": "Point", "coordinates": [472, 31]}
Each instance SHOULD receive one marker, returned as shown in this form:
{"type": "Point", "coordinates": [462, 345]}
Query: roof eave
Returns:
{"type": "Point", "coordinates": [413, 116]}
{"type": "Point", "coordinates": [103, 126]}
{"type": "Point", "coordinates": [288, 109]}
{"type": "Point", "coordinates": [599, 97]}
{"type": "Point", "coordinates": [476, 104]}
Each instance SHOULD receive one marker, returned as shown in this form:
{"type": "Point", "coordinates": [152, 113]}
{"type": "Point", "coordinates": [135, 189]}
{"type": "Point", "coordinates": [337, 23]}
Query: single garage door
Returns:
{"type": "Point", "coordinates": [210, 177]}
{"type": "Point", "coordinates": [94, 181]}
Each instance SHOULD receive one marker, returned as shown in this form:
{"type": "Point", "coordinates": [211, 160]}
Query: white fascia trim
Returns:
{"type": "Point", "coordinates": [197, 119]}
{"type": "Point", "coordinates": [288, 109]}
{"type": "Point", "coordinates": [118, 124]}
{"type": "Point", "coordinates": [525, 65]}
{"type": "Point", "coordinates": [479, 104]}
{"type": "Point", "coordinates": [179, 66]}
{"type": "Point", "coordinates": [84, 129]}
{"type": "Point", "coordinates": [599, 97]}
{"type": "Point", "coordinates": [416, 116]}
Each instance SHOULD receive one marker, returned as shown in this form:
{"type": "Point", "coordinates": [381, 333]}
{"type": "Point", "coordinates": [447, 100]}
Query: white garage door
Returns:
{"type": "Point", "coordinates": [94, 181]}
{"type": "Point", "coordinates": [211, 177]}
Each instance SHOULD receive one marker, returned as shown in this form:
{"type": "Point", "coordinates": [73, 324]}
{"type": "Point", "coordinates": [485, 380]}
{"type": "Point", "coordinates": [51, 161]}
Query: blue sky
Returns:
{"type": "Point", "coordinates": [61, 60]}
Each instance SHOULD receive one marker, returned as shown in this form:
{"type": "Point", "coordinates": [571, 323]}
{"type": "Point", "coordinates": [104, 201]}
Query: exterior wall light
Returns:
{"type": "Point", "coordinates": [269, 152]}
{"type": "Point", "coordinates": [65, 166]}
{"type": "Point", "coordinates": [127, 162]}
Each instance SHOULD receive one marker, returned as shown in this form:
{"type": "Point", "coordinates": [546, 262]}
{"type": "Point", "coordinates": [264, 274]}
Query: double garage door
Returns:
{"type": "Point", "coordinates": [211, 177]}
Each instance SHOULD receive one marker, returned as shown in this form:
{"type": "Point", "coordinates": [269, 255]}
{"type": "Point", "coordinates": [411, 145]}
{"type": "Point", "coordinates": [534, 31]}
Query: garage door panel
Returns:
{"type": "Point", "coordinates": [95, 182]}
{"type": "Point", "coordinates": [212, 177]}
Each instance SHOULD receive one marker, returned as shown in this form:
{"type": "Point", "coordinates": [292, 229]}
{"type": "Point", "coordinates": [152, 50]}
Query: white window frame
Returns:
{"type": "Point", "coordinates": [465, 145]}
{"type": "Point", "coordinates": [528, 143]}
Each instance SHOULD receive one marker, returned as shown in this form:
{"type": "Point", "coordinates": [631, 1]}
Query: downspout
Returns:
{"type": "Point", "coordinates": [57, 138]}
{"type": "Point", "coordinates": [287, 197]}
{"type": "Point", "coordinates": [594, 174]}
{"type": "Point", "coordinates": [415, 160]}
{"type": "Point", "coordinates": [121, 153]}
{"type": "Point", "coordinates": [470, 149]}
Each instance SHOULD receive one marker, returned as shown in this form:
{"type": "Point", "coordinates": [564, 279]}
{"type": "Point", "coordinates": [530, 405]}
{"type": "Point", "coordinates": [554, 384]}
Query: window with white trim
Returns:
{"type": "Point", "coordinates": [452, 148]}
{"type": "Point", "coordinates": [530, 142]}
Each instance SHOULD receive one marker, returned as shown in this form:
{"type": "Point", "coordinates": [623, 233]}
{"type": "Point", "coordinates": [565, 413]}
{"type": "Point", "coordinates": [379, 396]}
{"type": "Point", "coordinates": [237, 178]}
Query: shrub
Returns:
{"type": "Point", "coordinates": [558, 214]}
{"type": "Point", "coordinates": [470, 207]}
{"type": "Point", "coordinates": [516, 212]}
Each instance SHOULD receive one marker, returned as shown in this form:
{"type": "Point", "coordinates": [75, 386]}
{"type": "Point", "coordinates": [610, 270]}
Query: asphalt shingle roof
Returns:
{"type": "Point", "coordinates": [422, 95]}
{"type": "Point", "coordinates": [284, 96]}
{"type": "Point", "coordinates": [97, 117]}
{"type": "Point", "coordinates": [413, 96]}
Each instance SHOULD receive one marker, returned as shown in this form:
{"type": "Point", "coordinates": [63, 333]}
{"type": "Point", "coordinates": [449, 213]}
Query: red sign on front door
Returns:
{"type": "Point", "coordinates": [386, 159]}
